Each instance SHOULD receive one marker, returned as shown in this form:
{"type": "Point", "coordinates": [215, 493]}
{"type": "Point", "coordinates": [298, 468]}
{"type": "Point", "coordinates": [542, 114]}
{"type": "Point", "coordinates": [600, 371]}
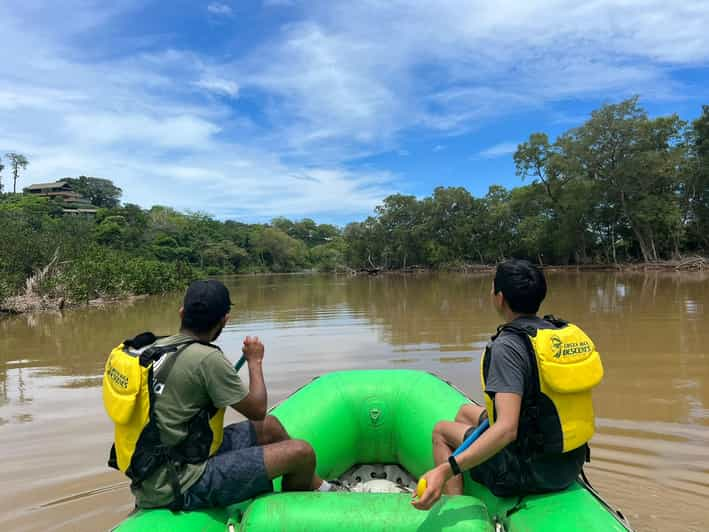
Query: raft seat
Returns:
{"type": "Point", "coordinates": [338, 512]}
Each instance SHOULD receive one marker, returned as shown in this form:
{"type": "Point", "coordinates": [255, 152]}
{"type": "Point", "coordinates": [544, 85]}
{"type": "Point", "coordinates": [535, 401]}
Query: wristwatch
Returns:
{"type": "Point", "coordinates": [454, 465]}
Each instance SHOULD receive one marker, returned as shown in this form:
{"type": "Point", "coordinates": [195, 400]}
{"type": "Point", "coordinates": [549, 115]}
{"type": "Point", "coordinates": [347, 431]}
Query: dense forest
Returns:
{"type": "Point", "coordinates": [622, 187]}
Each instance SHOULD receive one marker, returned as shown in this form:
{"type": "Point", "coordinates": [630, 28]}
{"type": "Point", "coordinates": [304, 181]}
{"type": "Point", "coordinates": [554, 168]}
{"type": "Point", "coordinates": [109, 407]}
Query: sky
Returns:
{"type": "Point", "coordinates": [253, 109]}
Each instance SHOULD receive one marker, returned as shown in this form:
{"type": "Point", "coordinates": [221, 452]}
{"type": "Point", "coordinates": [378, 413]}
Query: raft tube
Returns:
{"type": "Point", "coordinates": [383, 417]}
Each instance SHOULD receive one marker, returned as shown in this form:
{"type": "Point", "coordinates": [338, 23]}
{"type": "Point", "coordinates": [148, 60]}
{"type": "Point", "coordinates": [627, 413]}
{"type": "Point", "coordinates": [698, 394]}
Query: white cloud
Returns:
{"type": "Point", "coordinates": [498, 150]}
{"type": "Point", "coordinates": [328, 89]}
{"type": "Point", "coordinates": [362, 73]}
{"type": "Point", "coordinates": [138, 121]}
{"type": "Point", "coordinates": [183, 131]}
{"type": "Point", "coordinates": [438, 147]}
{"type": "Point", "coordinates": [217, 8]}
{"type": "Point", "coordinates": [346, 80]}
{"type": "Point", "coordinates": [218, 85]}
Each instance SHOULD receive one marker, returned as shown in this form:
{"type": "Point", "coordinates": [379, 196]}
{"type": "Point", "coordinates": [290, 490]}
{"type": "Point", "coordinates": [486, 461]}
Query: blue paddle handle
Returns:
{"type": "Point", "coordinates": [467, 442]}
{"type": "Point", "coordinates": [240, 363]}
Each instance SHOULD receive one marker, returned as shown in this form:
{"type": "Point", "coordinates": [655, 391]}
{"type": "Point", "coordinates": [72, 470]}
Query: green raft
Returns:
{"type": "Point", "coordinates": [367, 419]}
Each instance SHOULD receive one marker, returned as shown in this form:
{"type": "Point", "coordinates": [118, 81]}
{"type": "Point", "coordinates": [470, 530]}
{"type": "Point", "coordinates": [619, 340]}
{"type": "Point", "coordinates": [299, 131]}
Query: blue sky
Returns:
{"type": "Point", "coordinates": [253, 109]}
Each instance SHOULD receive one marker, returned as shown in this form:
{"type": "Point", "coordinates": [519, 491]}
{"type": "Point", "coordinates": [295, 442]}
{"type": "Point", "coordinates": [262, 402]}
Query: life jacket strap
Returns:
{"type": "Point", "coordinates": [179, 498]}
{"type": "Point", "coordinates": [164, 370]}
{"type": "Point", "coordinates": [112, 458]}
{"type": "Point", "coordinates": [532, 443]}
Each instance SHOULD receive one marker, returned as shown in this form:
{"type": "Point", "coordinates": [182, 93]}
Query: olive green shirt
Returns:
{"type": "Point", "coordinates": [201, 376]}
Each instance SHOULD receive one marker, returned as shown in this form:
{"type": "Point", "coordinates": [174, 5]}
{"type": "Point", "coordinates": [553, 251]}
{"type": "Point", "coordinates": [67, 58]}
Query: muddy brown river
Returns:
{"type": "Point", "coordinates": [650, 453]}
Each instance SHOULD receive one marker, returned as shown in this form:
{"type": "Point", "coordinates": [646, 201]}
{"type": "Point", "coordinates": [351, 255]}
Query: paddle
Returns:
{"type": "Point", "coordinates": [467, 442]}
{"type": "Point", "coordinates": [240, 363]}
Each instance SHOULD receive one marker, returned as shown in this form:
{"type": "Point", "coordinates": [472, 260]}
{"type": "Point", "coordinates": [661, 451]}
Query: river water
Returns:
{"type": "Point", "coordinates": [650, 453]}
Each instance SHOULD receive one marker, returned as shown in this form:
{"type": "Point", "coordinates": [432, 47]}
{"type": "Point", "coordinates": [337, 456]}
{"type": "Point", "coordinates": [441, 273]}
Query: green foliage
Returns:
{"type": "Point", "coordinates": [32, 231]}
{"type": "Point", "coordinates": [100, 192]}
{"type": "Point", "coordinates": [695, 197]}
{"type": "Point", "coordinates": [102, 272]}
{"type": "Point", "coordinates": [5, 289]}
{"type": "Point", "coordinates": [329, 257]}
{"type": "Point", "coordinates": [278, 252]}
{"type": "Point", "coordinates": [125, 249]}
{"type": "Point", "coordinates": [620, 187]}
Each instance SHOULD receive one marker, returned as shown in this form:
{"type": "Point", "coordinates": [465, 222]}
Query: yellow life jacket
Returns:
{"type": "Point", "coordinates": [557, 409]}
{"type": "Point", "coordinates": [135, 373]}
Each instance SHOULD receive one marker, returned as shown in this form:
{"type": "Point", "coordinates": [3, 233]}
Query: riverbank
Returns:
{"type": "Point", "coordinates": [695, 263]}
{"type": "Point", "coordinates": [21, 304]}
{"type": "Point", "coordinates": [32, 302]}
{"type": "Point", "coordinates": [25, 304]}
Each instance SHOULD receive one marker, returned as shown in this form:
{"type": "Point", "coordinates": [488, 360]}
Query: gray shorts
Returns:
{"type": "Point", "coordinates": [506, 474]}
{"type": "Point", "coordinates": [236, 473]}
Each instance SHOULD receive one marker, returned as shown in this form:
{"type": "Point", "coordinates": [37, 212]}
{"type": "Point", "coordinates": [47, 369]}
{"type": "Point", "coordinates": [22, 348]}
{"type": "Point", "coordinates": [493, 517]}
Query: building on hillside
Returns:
{"type": "Point", "coordinates": [72, 202]}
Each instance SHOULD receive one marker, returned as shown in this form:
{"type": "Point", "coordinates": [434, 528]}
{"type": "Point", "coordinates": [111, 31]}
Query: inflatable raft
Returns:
{"type": "Point", "coordinates": [372, 429]}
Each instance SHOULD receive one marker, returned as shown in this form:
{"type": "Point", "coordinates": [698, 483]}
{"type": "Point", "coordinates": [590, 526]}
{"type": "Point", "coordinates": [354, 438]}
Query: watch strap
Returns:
{"type": "Point", "coordinates": [454, 465]}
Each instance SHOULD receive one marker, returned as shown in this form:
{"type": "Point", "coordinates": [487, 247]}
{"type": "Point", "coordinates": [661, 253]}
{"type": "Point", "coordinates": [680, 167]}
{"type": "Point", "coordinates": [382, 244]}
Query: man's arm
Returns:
{"type": "Point", "coordinates": [497, 437]}
{"type": "Point", "coordinates": [254, 405]}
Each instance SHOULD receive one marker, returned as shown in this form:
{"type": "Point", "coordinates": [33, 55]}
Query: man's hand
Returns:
{"type": "Point", "coordinates": [252, 349]}
{"type": "Point", "coordinates": [435, 480]}
{"type": "Point", "coordinates": [255, 404]}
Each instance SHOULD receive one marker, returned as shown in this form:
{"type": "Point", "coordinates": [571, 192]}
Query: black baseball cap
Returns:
{"type": "Point", "coordinates": [206, 302]}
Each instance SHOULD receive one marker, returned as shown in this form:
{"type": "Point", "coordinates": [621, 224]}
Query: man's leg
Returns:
{"type": "Point", "coordinates": [243, 469]}
{"type": "Point", "coordinates": [271, 431]}
{"type": "Point", "coordinates": [447, 436]}
{"type": "Point", "coordinates": [469, 414]}
{"type": "Point", "coordinates": [294, 460]}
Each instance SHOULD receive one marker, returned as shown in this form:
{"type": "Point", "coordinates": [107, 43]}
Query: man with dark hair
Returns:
{"type": "Point", "coordinates": [537, 376]}
{"type": "Point", "coordinates": [184, 458]}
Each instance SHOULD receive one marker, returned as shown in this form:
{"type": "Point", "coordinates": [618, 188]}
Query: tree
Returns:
{"type": "Point", "coordinates": [100, 192]}
{"type": "Point", "coordinates": [448, 222]}
{"type": "Point", "coordinates": [400, 218]}
{"type": "Point", "coordinates": [636, 162]}
{"type": "Point", "coordinates": [1, 168]}
{"type": "Point", "coordinates": [696, 189]}
{"type": "Point", "coordinates": [278, 251]}
{"type": "Point", "coordinates": [223, 256]}
{"type": "Point", "coordinates": [18, 162]}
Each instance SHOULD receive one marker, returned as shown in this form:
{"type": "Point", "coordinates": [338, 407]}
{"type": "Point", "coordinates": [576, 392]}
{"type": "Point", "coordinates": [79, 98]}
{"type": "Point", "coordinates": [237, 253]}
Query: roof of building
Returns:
{"type": "Point", "coordinates": [44, 186]}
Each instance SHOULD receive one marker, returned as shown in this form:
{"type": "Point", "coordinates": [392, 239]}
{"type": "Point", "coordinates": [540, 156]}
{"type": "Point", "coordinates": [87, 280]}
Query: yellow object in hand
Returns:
{"type": "Point", "coordinates": [421, 487]}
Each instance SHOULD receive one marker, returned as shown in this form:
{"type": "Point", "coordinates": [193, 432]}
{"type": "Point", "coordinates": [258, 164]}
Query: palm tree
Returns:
{"type": "Point", "coordinates": [18, 161]}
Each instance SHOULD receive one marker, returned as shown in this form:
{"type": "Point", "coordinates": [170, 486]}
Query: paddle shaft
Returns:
{"type": "Point", "coordinates": [467, 442]}
{"type": "Point", "coordinates": [240, 363]}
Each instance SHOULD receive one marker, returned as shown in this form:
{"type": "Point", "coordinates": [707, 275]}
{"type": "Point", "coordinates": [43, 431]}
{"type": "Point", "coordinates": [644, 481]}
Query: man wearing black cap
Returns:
{"type": "Point", "coordinates": [252, 452]}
